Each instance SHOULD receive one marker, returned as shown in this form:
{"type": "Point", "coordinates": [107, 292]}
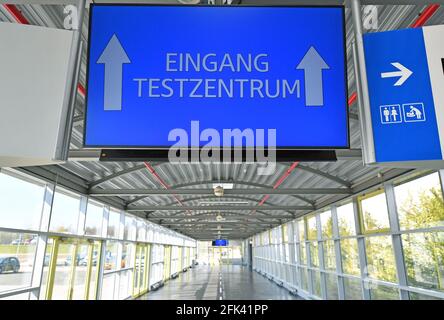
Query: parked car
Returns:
{"type": "Point", "coordinates": [9, 264]}
{"type": "Point", "coordinates": [17, 242]}
{"type": "Point", "coordinates": [84, 262]}
{"type": "Point", "coordinates": [33, 240]}
{"type": "Point", "coordinates": [68, 260]}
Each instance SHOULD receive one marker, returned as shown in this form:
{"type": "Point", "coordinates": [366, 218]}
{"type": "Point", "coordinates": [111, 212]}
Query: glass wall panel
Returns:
{"type": "Point", "coordinates": [316, 276]}
{"type": "Point", "coordinates": [326, 225]}
{"type": "Point", "coordinates": [329, 255]}
{"type": "Point", "coordinates": [130, 229]}
{"type": "Point", "coordinates": [62, 276]}
{"type": "Point", "coordinates": [94, 218]}
{"type": "Point", "coordinates": [108, 286]}
{"type": "Point", "coordinates": [113, 224]}
{"type": "Point", "coordinates": [301, 228]}
{"type": "Point", "coordinates": [346, 220]}
{"type": "Point", "coordinates": [127, 255]}
{"type": "Point", "coordinates": [65, 212]}
{"type": "Point", "coordinates": [125, 284]}
{"type": "Point", "coordinates": [17, 252]}
{"type": "Point", "coordinates": [424, 259]}
{"type": "Point", "coordinates": [352, 288]}
{"type": "Point", "coordinates": [384, 293]}
{"type": "Point", "coordinates": [380, 258]}
{"type": "Point", "coordinates": [15, 210]}
{"type": "Point", "coordinates": [332, 286]}
{"type": "Point", "coordinates": [374, 213]}
{"type": "Point", "coordinates": [350, 256]}
{"type": "Point", "coordinates": [304, 278]}
{"type": "Point", "coordinates": [311, 228]}
{"type": "Point", "coordinates": [420, 203]}
{"type": "Point", "coordinates": [418, 296]}
{"type": "Point", "coordinates": [111, 256]}
{"type": "Point", "coordinates": [303, 252]}
{"type": "Point", "coordinates": [314, 254]}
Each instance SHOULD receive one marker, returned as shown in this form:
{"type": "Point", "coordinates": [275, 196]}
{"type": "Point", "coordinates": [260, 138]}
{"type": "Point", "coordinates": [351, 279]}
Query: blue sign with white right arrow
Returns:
{"type": "Point", "coordinates": [406, 84]}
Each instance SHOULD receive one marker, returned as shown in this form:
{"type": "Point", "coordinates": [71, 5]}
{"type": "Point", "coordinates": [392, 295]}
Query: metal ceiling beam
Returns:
{"type": "Point", "coordinates": [305, 168]}
{"type": "Point", "coordinates": [116, 175]}
{"type": "Point", "coordinates": [215, 202]}
{"type": "Point", "coordinates": [325, 175]}
{"type": "Point", "coordinates": [284, 191]}
{"type": "Point", "coordinates": [216, 208]}
{"type": "Point", "coordinates": [216, 197]}
{"type": "Point", "coordinates": [178, 214]}
{"type": "Point", "coordinates": [240, 183]}
{"type": "Point", "coordinates": [222, 229]}
{"type": "Point", "coordinates": [231, 217]}
{"type": "Point", "coordinates": [214, 222]}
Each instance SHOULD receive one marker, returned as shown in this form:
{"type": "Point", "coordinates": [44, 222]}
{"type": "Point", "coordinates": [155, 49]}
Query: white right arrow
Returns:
{"type": "Point", "coordinates": [403, 74]}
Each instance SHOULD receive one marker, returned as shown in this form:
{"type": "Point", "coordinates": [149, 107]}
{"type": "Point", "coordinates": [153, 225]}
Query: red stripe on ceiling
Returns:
{"type": "Point", "coordinates": [352, 99]}
{"type": "Point", "coordinates": [16, 13]}
{"type": "Point", "coordinates": [81, 90]}
{"type": "Point", "coordinates": [162, 182]}
{"type": "Point", "coordinates": [279, 181]}
{"type": "Point", "coordinates": [428, 12]}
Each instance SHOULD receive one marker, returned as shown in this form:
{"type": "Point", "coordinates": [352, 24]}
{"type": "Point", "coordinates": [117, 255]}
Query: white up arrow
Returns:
{"type": "Point", "coordinates": [403, 74]}
{"type": "Point", "coordinates": [113, 57]}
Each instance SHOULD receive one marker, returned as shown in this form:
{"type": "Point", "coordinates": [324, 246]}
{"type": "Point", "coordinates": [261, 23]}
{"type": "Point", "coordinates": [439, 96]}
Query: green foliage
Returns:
{"type": "Point", "coordinates": [426, 211]}
{"type": "Point", "coordinates": [424, 252]}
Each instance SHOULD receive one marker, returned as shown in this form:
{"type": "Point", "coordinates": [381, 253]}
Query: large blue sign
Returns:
{"type": "Point", "coordinates": [153, 69]}
{"type": "Point", "coordinates": [402, 69]}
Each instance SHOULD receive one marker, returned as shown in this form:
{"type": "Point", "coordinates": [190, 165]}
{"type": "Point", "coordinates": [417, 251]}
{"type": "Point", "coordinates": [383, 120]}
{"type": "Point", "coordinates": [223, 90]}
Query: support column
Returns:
{"type": "Point", "coordinates": [322, 275]}
{"type": "Point", "coordinates": [338, 254]}
{"type": "Point", "coordinates": [71, 84]}
{"type": "Point", "coordinates": [361, 251]}
{"type": "Point", "coordinates": [292, 249]}
{"type": "Point", "coordinates": [362, 84]}
{"type": "Point", "coordinates": [42, 242]}
{"type": "Point", "coordinates": [396, 239]}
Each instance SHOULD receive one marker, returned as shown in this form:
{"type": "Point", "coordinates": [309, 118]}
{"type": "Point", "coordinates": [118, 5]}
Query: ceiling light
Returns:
{"type": "Point", "coordinates": [222, 202]}
{"type": "Point", "coordinates": [223, 185]}
{"type": "Point", "coordinates": [218, 191]}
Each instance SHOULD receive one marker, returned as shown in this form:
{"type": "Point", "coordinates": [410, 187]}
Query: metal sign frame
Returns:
{"type": "Point", "coordinates": [128, 153]}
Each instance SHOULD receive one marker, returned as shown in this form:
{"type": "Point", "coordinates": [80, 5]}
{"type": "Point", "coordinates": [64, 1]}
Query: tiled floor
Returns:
{"type": "Point", "coordinates": [232, 282]}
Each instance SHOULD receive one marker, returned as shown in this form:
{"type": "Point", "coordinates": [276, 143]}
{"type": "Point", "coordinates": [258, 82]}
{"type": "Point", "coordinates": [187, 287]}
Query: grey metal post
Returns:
{"type": "Point", "coordinates": [121, 232]}
{"type": "Point", "coordinates": [364, 102]}
{"type": "Point", "coordinates": [71, 85]}
{"type": "Point", "coordinates": [42, 242]}
{"type": "Point", "coordinates": [81, 227]}
{"type": "Point", "coordinates": [101, 270]}
{"type": "Point", "coordinates": [105, 221]}
{"type": "Point", "coordinates": [396, 239]}
{"type": "Point", "coordinates": [361, 252]}
{"type": "Point", "coordinates": [323, 277]}
{"type": "Point", "coordinates": [291, 248]}
{"type": "Point", "coordinates": [297, 246]}
{"type": "Point", "coordinates": [338, 254]}
{"type": "Point", "coordinates": [309, 271]}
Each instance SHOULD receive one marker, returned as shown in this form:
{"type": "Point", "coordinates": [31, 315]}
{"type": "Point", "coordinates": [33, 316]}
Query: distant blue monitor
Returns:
{"type": "Point", "coordinates": [220, 243]}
